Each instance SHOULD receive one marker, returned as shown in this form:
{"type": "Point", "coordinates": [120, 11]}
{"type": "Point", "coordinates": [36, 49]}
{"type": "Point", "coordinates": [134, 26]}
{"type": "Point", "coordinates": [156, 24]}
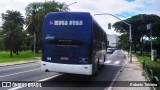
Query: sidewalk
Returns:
{"type": "Point", "coordinates": [18, 62]}
{"type": "Point", "coordinates": [131, 72]}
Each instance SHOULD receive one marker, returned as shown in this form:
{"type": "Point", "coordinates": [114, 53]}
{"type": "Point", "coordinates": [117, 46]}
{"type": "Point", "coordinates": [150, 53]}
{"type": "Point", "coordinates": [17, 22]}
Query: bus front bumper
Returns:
{"type": "Point", "coordinates": [85, 69]}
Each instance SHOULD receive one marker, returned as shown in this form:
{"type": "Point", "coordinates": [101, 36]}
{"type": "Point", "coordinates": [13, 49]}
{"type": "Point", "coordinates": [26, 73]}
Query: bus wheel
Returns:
{"type": "Point", "coordinates": [96, 72]}
{"type": "Point", "coordinates": [46, 70]}
{"type": "Point", "coordinates": [104, 58]}
{"type": "Point", "coordinates": [98, 65]}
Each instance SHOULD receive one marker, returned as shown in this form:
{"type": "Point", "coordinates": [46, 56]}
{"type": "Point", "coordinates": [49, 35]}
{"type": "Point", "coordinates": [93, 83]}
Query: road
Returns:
{"type": "Point", "coordinates": [32, 72]}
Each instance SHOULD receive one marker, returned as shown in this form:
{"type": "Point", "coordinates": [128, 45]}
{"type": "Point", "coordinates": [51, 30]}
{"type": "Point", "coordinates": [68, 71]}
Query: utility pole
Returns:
{"type": "Point", "coordinates": [130, 33]}
{"type": "Point", "coordinates": [149, 27]}
{"type": "Point", "coordinates": [151, 38]}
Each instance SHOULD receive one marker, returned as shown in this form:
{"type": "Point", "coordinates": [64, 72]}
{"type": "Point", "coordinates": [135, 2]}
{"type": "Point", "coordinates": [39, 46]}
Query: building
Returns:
{"type": "Point", "coordinates": [113, 40]}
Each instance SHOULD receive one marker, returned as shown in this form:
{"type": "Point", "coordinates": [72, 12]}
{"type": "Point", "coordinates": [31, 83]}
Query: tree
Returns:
{"type": "Point", "coordinates": [13, 25]}
{"type": "Point", "coordinates": [2, 47]}
{"type": "Point", "coordinates": [139, 29]}
{"type": "Point", "coordinates": [14, 16]}
{"type": "Point", "coordinates": [123, 42]}
{"type": "Point", "coordinates": [18, 38]}
{"type": "Point", "coordinates": [35, 13]}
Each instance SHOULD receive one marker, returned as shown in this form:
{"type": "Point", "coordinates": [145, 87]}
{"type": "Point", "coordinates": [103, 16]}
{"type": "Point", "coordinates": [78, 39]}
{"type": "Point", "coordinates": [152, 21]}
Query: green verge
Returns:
{"type": "Point", "coordinates": [155, 66]}
{"type": "Point", "coordinates": [24, 55]}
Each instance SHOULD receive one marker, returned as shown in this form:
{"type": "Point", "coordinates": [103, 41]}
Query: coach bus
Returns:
{"type": "Point", "coordinates": [73, 42]}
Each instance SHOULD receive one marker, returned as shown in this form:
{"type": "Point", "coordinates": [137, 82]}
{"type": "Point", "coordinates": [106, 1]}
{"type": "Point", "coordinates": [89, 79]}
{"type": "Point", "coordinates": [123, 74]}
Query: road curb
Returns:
{"type": "Point", "coordinates": [146, 76]}
{"type": "Point", "coordinates": [132, 72]}
{"type": "Point", "coordinates": [18, 63]}
{"type": "Point", "coordinates": [116, 76]}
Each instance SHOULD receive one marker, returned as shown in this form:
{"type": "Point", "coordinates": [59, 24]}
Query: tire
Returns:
{"type": "Point", "coordinates": [96, 72]}
{"type": "Point", "coordinates": [98, 65]}
{"type": "Point", "coordinates": [104, 58]}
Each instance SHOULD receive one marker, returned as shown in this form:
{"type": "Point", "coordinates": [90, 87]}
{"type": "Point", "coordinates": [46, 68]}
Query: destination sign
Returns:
{"type": "Point", "coordinates": [66, 22]}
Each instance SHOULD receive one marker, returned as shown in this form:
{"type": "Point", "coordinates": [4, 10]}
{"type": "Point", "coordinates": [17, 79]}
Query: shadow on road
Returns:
{"type": "Point", "coordinates": [102, 79]}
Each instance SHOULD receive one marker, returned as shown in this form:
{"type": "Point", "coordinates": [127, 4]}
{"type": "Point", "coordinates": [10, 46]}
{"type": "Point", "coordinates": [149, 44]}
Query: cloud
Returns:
{"type": "Point", "coordinates": [126, 8]}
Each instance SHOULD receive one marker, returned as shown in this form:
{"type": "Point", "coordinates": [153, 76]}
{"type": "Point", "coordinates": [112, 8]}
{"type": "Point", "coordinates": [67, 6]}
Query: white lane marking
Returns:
{"type": "Point", "coordinates": [19, 73]}
{"type": "Point", "coordinates": [10, 68]}
{"type": "Point", "coordinates": [15, 88]}
{"type": "Point", "coordinates": [117, 62]}
{"type": "Point", "coordinates": [116, 76]}
{"type": "Point", "coordinates": [113, 65]}
{"type": "Point", "coordinates": [45, 79]}
{"type": "Point", "coordinates": [108, 61]}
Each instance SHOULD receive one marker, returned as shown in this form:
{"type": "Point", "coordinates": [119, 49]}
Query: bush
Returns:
{"type": "Point", "coordinates": [155, 67]}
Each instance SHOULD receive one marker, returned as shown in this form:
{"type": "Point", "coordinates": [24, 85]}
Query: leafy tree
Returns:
{"type": "Point", "coordinates": [19, 39]}
{"type": "Point", "coordinates": [35, 13]}
{"type": "Point", "coordinates": [13, 25]}
{"type": "Point", "coordinates": [14, 16]}
{"type": "Point", "coordinates": [123, 41]}
{"type": "Point", "coordinates": [2, 47]}
{"type": "Point", "coordinates": [28, 41]}
{"type": "Point", "coordinates": [139, 29]}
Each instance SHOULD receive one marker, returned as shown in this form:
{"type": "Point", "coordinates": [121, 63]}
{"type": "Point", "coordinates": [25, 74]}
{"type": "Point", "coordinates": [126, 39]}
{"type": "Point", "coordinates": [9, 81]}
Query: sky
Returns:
{"type": "Point", "coordinates": [123, 9]}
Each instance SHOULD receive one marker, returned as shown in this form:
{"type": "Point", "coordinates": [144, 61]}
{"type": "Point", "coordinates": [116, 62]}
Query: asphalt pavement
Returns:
{"type": "Point", "coordinates": [31, 71]}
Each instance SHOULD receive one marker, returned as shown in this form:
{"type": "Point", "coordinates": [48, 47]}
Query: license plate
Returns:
{"type": "Point", "coordinates": [64, 58]}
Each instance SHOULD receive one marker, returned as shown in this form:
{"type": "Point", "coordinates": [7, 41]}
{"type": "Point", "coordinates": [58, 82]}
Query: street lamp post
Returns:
{"type": "Point", "coordinates": [130, 33]}
{"type": "Point", "coordinates": [71, 3]}
{"type": "Point", "coordinates": [149, 27]}
{"type": "Point", "coordinates": [67, 5]}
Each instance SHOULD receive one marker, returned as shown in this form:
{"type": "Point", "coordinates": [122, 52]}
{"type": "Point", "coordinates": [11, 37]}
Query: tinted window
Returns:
{"type": "Point", "coordinates": [66, 42]}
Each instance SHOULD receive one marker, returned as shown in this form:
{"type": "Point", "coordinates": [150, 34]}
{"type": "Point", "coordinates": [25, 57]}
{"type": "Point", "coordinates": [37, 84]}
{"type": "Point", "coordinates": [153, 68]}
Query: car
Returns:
{"type": "Point", "coordinates": [110, 50]}
{"type": "Point", "coordinates": [114, 49]}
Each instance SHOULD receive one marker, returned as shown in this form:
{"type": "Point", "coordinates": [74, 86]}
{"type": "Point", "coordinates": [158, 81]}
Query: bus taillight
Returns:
{"type": "Point", "coordinates": [64, 58]}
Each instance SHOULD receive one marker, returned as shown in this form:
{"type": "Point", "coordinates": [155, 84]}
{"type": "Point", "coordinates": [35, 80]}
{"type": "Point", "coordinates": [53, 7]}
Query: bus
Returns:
{"type": "Point", "coordinates": [72, 42]}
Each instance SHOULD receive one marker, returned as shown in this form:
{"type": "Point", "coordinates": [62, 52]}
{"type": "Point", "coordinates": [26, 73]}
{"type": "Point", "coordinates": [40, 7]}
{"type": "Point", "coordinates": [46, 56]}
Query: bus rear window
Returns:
{"type": "Point", "coordinates": [66, 42]}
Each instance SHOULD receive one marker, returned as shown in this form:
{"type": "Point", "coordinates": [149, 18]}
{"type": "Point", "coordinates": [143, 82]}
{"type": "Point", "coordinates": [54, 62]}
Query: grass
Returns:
{"type": "Point", "coordinates": [158, 60]}
{"type": "Point", "coordinates": [146, 58]}
{"type": "Point", "coordinates": [154, 66]}
{"type": "Point", "coordinates": [24, 55]}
